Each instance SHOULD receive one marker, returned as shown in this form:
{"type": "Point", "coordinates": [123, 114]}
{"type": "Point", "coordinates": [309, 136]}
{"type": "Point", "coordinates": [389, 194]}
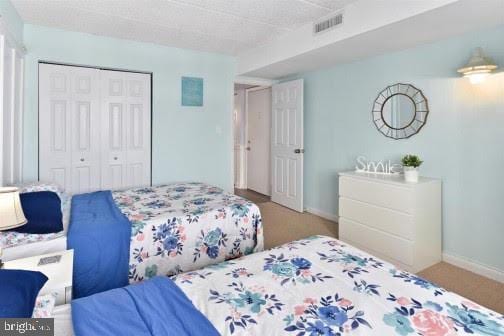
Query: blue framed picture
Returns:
{"type": "Point", "coordinates": [192, 91]}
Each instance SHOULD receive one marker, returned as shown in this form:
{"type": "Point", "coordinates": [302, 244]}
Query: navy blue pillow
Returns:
{"type": "Point", "coordinates": [18, 292]}
{"type": "Point", "coordinates": [42, 209]}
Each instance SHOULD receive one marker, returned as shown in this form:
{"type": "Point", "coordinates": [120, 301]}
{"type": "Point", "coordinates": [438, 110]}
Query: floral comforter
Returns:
{"type": "Point", "coordinates": [321, 286]}
{"type": "Point", "coordinates": [186, 226]}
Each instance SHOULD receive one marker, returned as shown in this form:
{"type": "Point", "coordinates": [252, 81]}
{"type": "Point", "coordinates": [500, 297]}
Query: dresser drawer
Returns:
{"type": "Point", "coordinates": [383, 219]}
{"type": "Point", "coordinates": [380, 194]}
{"type": "Point", "coordinates": [390, 246]}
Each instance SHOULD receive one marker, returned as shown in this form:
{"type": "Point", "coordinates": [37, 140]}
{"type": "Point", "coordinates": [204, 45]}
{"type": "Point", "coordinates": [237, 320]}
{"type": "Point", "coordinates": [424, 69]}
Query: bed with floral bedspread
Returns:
{"type": "Point", "coordinates": [186, 226]}
{"type": "Point", "coordinates": [321, 286]}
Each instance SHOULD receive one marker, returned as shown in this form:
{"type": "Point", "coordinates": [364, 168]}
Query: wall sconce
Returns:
{"type": "Point", "coordinates": [478, 67]}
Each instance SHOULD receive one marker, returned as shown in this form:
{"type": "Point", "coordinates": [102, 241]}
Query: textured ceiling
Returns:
{"type": "Point", "coordinates": [223, 26]}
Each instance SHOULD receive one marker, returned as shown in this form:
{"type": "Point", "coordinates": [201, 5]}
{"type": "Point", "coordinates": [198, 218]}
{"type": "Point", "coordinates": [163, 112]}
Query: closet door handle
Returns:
{"type": "Point", "coordinates": [115, 158]}
{"type": "Point", "coordinates": [82, 159]}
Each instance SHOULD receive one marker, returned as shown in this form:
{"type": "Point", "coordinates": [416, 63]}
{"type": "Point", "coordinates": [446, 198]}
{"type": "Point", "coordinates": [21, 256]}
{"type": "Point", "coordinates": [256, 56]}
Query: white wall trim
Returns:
{"type": "Point", "coordinates": [255, 81]}
{"type": "Point", "coordinates": [21, 118]}
{"type": "Point", "coordinates": [239, 154]}
{"type": "Point", "coordinates": [474, 266]}
{"type": "Point", "coordinates": [323, 214]}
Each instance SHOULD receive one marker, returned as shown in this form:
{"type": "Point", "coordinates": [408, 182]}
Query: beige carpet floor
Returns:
{"type": "Point", "coordinates": [282, 225]}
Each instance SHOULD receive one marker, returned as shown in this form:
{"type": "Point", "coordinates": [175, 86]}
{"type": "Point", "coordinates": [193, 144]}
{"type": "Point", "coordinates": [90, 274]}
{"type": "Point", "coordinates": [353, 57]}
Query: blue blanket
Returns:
{"type": "Point", "coordinates": [100, 236]}
{"type": "Point", "coordinates": [153, 307]}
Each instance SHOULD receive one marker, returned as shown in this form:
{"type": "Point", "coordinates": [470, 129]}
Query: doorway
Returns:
{"type": "Point", "coordinates": [269, 150]}
{"type": "Point", "coordinates": [258, 129]}
{"type": "Point", "coordinates": [252, 128]}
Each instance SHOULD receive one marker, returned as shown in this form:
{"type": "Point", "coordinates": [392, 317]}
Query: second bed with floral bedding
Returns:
{"type": "Point", "coordinates": [182, 227]}
{"type": "Point", "coordinates": [313, 286]}
{"type": "Point", "coordinates": [169, 229]}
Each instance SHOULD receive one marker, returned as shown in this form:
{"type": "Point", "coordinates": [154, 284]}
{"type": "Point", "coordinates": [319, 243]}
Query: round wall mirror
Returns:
{"type": "Point", "coordinates": [400, 111]}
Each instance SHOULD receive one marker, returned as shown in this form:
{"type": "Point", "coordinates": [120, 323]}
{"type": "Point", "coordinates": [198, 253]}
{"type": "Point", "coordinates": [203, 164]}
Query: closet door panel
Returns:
{"type": "Point", "coordinates": [86, 174]}
{"type": "Point", "coordinates": [54, 125]}
{"type": "Point", "coordinates": [113, 130]}
{"type": "Point", "coordinates": [139, 129]}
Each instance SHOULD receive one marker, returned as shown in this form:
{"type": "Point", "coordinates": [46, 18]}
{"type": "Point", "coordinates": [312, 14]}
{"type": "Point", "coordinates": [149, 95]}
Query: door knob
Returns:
{"type": "Point", "coordinates": [247, 148]}
{"type": "Point", "coordinates": [115, 158]}
{"type": "Point", "coordinates": [82, 159]}
{"type": "Point", "coordinates": [298, 151]}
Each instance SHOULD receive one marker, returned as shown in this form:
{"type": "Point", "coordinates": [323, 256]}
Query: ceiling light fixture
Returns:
{"type": "Point", "coordinates": [478, 67]}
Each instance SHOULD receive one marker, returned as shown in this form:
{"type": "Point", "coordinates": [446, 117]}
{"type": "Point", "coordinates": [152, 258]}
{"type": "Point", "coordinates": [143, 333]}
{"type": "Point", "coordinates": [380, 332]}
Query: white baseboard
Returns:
{"type": "Point", "coordinates": [323, 214]}
{"type": "Point", "coordinates": [475, 267]}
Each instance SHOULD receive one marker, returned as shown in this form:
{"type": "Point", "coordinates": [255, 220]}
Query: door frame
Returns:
{"type": "Point", "coordinates": [151, 75]}
{"type": "Point", "coordinates": [244, 169]}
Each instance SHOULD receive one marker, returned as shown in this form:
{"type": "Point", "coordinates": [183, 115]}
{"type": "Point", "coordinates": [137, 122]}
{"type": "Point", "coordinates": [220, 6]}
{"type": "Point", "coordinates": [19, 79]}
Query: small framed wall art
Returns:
{"type": "Point", "coordinates": [192, 91]}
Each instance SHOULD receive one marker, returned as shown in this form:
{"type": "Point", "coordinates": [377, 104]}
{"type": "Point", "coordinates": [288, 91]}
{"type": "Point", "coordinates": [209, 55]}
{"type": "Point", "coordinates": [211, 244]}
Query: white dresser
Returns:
{"type": "Point", "coordinates": [397, 221]}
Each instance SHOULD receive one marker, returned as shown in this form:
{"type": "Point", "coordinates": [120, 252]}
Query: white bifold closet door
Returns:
{"type": "Point", "coordinates": [94, 128]}
{"type": "Point", "coordinates": [125, 120]}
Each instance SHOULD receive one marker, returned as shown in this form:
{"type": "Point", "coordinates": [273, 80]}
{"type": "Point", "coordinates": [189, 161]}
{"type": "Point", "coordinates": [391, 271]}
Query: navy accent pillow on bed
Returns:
{"type": "Point", "coordinates": [42, 209]}
{"type": "Point", "coordinates": [18, 292]}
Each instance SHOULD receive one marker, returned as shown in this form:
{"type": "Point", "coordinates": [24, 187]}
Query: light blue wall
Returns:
{"type": "Point", "coordinates": [189, 143]}
{"type": "Point", "coordinates": [462, 142]}
{"type": "Point", "coordinates": [12, 20]}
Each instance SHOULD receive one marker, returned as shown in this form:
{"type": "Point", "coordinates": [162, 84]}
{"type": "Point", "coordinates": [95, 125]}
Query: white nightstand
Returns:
{"type": "Point", "coordinates": [59, 274]}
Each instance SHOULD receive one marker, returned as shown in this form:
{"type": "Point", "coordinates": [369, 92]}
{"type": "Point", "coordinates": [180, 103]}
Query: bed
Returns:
{"type": "Point", "coordinates": [314, 286]}
{"type": "Point", "coordinates": [123, 237]}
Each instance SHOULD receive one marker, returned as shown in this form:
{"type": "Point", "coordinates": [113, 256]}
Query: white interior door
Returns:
{"type": "Point", "coordinates": [126, 120]}
{"type": "Point", "coordinates": [258, 142]}
{"type": "Point", "coordinates": [287, 144]}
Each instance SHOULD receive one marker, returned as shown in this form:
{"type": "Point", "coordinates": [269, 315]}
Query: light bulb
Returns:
{"type": "Point", "coordinates": [477, 78]}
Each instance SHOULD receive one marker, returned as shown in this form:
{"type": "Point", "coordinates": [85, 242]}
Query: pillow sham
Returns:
{"type": "Point", "coordinates": [18, 291]}
{"type": "Point", "coordinates": [42, 209]}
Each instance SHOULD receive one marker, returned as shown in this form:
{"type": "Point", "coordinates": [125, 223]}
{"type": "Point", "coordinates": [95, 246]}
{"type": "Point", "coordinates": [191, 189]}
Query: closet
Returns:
{"type": "Point", "coordinates": [94, 128]}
